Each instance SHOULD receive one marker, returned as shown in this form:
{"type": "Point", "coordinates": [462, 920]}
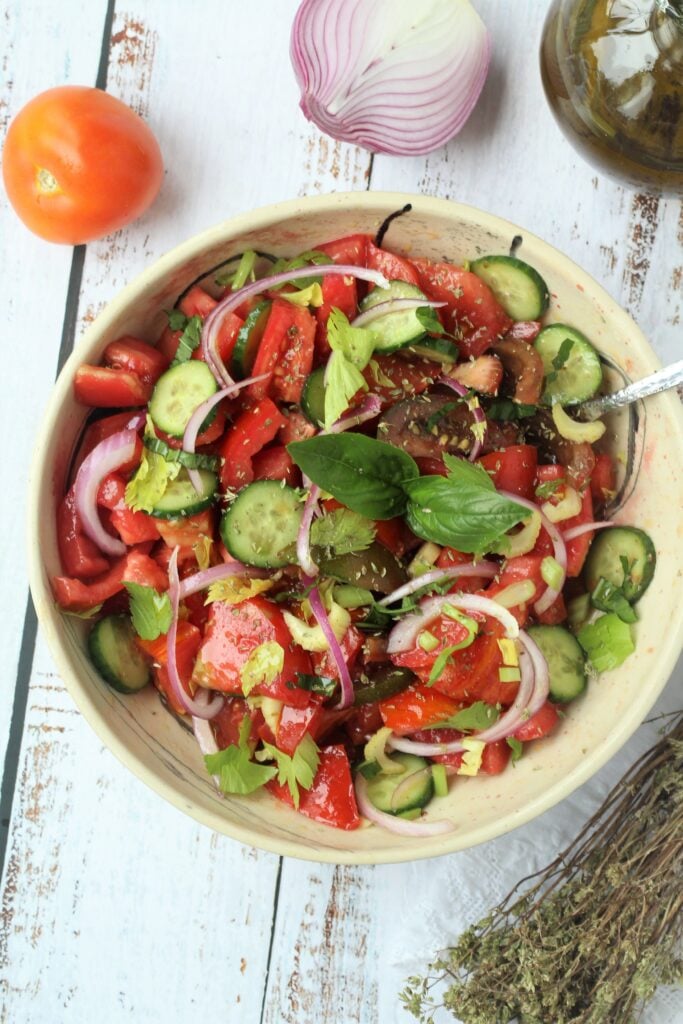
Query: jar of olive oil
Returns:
{"type": "Point", "coordinates": [613, 74]}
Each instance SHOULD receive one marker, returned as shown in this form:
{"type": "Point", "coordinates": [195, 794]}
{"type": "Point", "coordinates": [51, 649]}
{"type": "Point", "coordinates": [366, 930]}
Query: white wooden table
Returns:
{"type": "Point", "coordinates": [115, 907]}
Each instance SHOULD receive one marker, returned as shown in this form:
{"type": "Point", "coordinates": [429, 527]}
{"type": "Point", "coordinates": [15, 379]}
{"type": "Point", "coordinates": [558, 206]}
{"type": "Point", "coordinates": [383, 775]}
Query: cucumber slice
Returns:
{"type": "Point", "coordinates": [519, 288]}
{"type": "Point", "coordinates": [313, 397]}
{"type": "Point", "coordinates": [191, 460]}
{"type": "Point", "coordinates": [116, 656]}
{"type": "Point", "coordinates": [626, 557]}
{"type": "Point", "coordinates": [376, 568]}
{"type": "Point", "coordinates": [438, 350]}
{"type": "Point", "coordinates": [384, 681]}
{"type": "Point", "coordinates": [248, 340]}
{"type": "Point", "coordinates": [566, 661]}
{"type": "Point", "coordinates": [571, 365]}
{"type": "Point", "coordinates": [416, 786]}
{"type": "Point", "coordinates": [395, 330]}
{"type": "Point", "coordinates": [177, 394]}
{"type": "Point", "coordinates": [180, 498]}
{"type": "Point", "coordinates": [261, 525]}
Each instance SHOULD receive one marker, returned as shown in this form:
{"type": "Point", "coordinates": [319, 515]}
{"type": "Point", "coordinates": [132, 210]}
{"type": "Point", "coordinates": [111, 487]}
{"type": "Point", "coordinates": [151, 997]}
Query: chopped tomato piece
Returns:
{"type": "Point", "coordinates": [197, 302]}
{"type": "Point", "coordinates": [351, 643]}
{"type": "Point", "coordinates": [393, 377]}
{"type": "Point", "coordinates": [395, 535]}
{"type": "Point", "coordinates": [285, 354]}
{"type": "Point", "coordinates": [494, 758]}
{"type": "Point", "coordinates": [417, 707]}
{"type": "Point", "coordinates": [577, 549]}
{"type": "Point", "coordinates": [233, 633]}
{"type": "Point", "coordinates": [79, 555]}
{"type": "Point", "coordinates": [276, 464]}
{"type": "Point", "coordinates": [483, 374]}
{"type": "Point", "coordinates": [228, 722]}
{"type": "Point", "coordinates": [251, 432]}
{"type": "Point", "coordinates": [352, 249]}
{"type": "Point", "coordinates": [105, 388]}
{"type": "Point", "coordinates": [394, 268]}
{"type": "Point", "coordinates": [134, 567]}
{"type": "Point", "coordinates": [471, 307]}
{"type": "Point", "coordinates": [513, 469]}
{"type": "Point", "coordinates": [98, 431]}
{"type": "Point", "coordinates": [138, 357]}
{"type": "Point", "coordinates": [467, 584]}
{"type": "Point", "coordinates": [184, 533]}
{"type": "Point", "coordinates": [132, 527]}
{"type": "Point", "coordinates": [188, 639]}
{"type": "Point", "coordinates": [295, 427]}
{"type": "Point", "coordinates": [603, 479]}
{"type": "Point", "coordinates": [540, 724]}
{"type": "Point", "coordinates": [295, 723]}
{"type": "Point", "coordinates": [226, 338]}
{"type": "Point", "coordinates": [331, 799]}
{"type": "Point", "coordinates": [363, 722]}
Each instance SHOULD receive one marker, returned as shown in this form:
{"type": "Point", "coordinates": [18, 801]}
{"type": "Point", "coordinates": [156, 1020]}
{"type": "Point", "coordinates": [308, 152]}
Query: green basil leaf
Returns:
{"type": "Point", "coordinates": [461, 471]}
{"type": "Point", "coordinates": [367, 476]}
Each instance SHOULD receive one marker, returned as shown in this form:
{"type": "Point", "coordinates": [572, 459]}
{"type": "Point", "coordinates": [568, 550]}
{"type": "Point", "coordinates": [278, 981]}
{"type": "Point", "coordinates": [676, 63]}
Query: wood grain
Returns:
{"type": "Point", "coordinates": [115, 906]}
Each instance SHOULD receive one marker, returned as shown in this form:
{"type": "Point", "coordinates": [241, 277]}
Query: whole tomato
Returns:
{"type": "Point", "coordinates": [79, 164]}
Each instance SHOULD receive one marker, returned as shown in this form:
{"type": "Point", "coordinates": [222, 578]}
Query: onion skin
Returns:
{"type": "Point", "coordinates": [390, 75]}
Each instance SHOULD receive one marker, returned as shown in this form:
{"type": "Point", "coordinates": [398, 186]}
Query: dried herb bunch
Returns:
{"type": "Point", "coordinates": [595, 932]}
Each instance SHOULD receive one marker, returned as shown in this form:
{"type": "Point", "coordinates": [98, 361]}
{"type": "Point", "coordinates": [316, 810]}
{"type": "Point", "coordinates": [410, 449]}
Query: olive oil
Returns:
{"type": "Point", "coordinates": [613, 74]}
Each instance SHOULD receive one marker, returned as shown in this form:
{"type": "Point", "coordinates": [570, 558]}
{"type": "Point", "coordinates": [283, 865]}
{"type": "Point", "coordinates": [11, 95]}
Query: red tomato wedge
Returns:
{"type": "Point", "coordinates": [331, 799]}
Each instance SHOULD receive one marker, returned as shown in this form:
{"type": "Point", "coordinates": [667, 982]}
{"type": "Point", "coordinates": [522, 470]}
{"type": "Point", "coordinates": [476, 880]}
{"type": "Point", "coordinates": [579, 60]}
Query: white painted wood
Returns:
{"type": "Point", "coordinates": [115, 906]}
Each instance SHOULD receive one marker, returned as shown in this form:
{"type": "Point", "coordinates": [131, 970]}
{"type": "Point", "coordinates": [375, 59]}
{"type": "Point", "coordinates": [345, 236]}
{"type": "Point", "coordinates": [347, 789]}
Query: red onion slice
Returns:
{"type": "Point", "coordinates": [303, 539]}
{"type": "Point", "coordinates": [318, 609]}
{"type": "Point", "coordinates": [199, 706]}
{"type": "Point", "coordinates": [214, 320]}
{"type": "Point", "coordinates": [487, 570]}
{"type": "Point", "coordinates": [472, 405]}
{"type": "Point", "coordinates": [199, 415]}
{"type": "Point", "coordinates": [401, 826]}
{"type": "Point", "coordinates": [393, 306]}
{"type": "Point", "coordinates": [578, 531]}
{"type": "Point", "coordinates": [370, 407]}
{"type": "Point", "coordinates": [403, 636]}
{"type": "Point", "coordinates": [201, 580]}
{"type": "Point", "coordinates": [550, 594]}
{"type": "Point", "coordinates": [105, 458]}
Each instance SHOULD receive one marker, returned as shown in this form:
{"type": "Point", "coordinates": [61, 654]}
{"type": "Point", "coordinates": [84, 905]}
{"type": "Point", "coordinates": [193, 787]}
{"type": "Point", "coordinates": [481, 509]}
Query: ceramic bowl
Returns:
{"type": "Point", "coordinates": [648, 444]}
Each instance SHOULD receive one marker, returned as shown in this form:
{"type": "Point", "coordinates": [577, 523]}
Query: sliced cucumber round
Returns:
{"type": "Point", "coordinates": [180, 499]}
{"type": "Point", "coordinates": [191, 460]}
{"type": "Point", "coordinates": [248, 339]}
{"type": "Point", "coordinates": [395, 330]}
{"type": "Point", "coordinates": [178, 392]}
{"type": "Point", "coordinates": [626, 557]}
{"type": "Point", "coordinates": [116, 655]}
{"type": "Point", "coordinates": [411, 790]}
{"type": "Point", "coordinates": [566, 661]}
{"type": "Point", "coordinates": [571, 365]}
{"type": "Point", "coordinates": [261, 525]}
{"type": "Point", "coordinates": [519, 288]}
{"type": "Point", "coordinates": [313, 397]}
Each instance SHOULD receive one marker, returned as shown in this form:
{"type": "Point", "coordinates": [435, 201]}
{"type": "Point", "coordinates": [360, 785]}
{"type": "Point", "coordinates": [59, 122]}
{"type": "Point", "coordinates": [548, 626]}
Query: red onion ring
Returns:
{"type": "Point", "coordinates": [197, 706]}
{"type": "Point", "coordinates": [393, 306]}
{"type": "Point", "coordinates": [318, 609]}
{"type": "Point", "coordinates": [487, 570]}
{"type": "Point", "coordinates": [199, 415]}
{"type": "Point", "coordinates": [105, 458]}
{"type": "Point", "coordinates": [474, 407]}
{"type": "Point", "coordinates": [214, 320]}
{"type": "Point", "coordinates": [203, 733]}
{"type": "Point", "coordinates": [550, 594]}
{"type": "Point", "coordinates": [404, 634]}
{"type": "Point", "coordinates": [401, 826]}
{"type": "Point", "coordinates": [201, 580]}
{"type": "Point", "coordinates": [578, 531]}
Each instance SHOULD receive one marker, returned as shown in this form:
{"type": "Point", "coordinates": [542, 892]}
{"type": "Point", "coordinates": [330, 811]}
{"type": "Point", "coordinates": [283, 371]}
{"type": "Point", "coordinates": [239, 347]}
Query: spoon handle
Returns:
{"type": "Point", "coordinates": [662, 380]}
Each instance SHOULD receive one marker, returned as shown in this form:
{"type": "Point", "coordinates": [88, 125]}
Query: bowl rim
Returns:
{"type": "Point", "coordinates": [48, 615]}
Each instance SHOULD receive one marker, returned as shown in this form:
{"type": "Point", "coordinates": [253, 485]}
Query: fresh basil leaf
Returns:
{"type": "Point", "coordinates": [506, 410]}
{"type": "Point", "coordinates": [608, 642]}
{"type": "Point", "coordinates": [475, 718]}
{"type": "Point", "coordinates": [429, 320]}
{"type": "Point", "coordinates": [323, 685]}
{"type": "Point", "coordinates": [367, 476]}
{"type": "Point", "coordinates": [462, 515]}
{"type": "Point", "coordinates": [177, 320]}
{"type": "Point", "coordinates": [150, 611]}
{"type": "Point", "coordinates": [608, 598]}
{"type": "Point", "coordinates": [461, 471]}
{"type": "Point", "coordinates": [189, 340]}
{"type": "Point", "coordinates": [443, 659]}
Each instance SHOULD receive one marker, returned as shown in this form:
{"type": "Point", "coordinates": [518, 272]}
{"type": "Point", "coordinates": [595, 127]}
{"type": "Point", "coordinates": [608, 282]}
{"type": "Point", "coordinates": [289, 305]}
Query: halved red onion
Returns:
{"type": "Point", "coordinates": [531, 695]}
{"type": "Point", "coordinates": [214, 320]}
{"type": "Point", "coordinates": [105, 458]}
{"type": "Point", "coordinates": [199, 415]}
{"type": "Point", "coordinates": [318, 609]}
{"type": "Point", "coordinates": [403, 636]}
{"type": "Point", "coordinates": [201, 580]}
{"type": "Point", "coordinates": [401, 826]}
{"type": "Point", "coordinates": [198, 706]}
{"type": "Point", "coordinates": [303, 539]}
{"type": "Point", "coordinates": [578, 531]}
{"type": "Point", "coordinates": [487, 570]}
{"type": "Point", "coordinates": [473, 406]}
{"type": "Point", "coordinates": [550, 594]}
{"type": "Point", "coordinates": [393, 306]}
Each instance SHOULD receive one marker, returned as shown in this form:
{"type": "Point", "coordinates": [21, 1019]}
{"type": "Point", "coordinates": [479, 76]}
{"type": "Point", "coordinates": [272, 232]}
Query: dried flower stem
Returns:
{"type": "Point", "coordinates": [588, 939]}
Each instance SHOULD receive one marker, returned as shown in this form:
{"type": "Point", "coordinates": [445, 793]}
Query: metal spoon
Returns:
{"type": "Point", "coordinates": [662, 380]}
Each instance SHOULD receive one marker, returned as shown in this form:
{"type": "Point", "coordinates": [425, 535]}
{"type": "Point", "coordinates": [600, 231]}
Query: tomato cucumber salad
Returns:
{"type": "Point", "coordinates": [343, 517]}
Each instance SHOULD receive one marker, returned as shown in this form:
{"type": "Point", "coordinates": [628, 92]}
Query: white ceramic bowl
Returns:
{"type": "Point", "coordinates": [161, 753]}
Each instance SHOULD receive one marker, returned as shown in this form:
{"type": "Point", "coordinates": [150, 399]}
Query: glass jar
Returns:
{"type": "Point", "coordinates": [613, 75]}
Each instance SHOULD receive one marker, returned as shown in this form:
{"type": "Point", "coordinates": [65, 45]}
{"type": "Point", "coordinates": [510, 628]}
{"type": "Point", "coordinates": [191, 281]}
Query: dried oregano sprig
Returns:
{"type": "Point", "coordinates": [597, 931]}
